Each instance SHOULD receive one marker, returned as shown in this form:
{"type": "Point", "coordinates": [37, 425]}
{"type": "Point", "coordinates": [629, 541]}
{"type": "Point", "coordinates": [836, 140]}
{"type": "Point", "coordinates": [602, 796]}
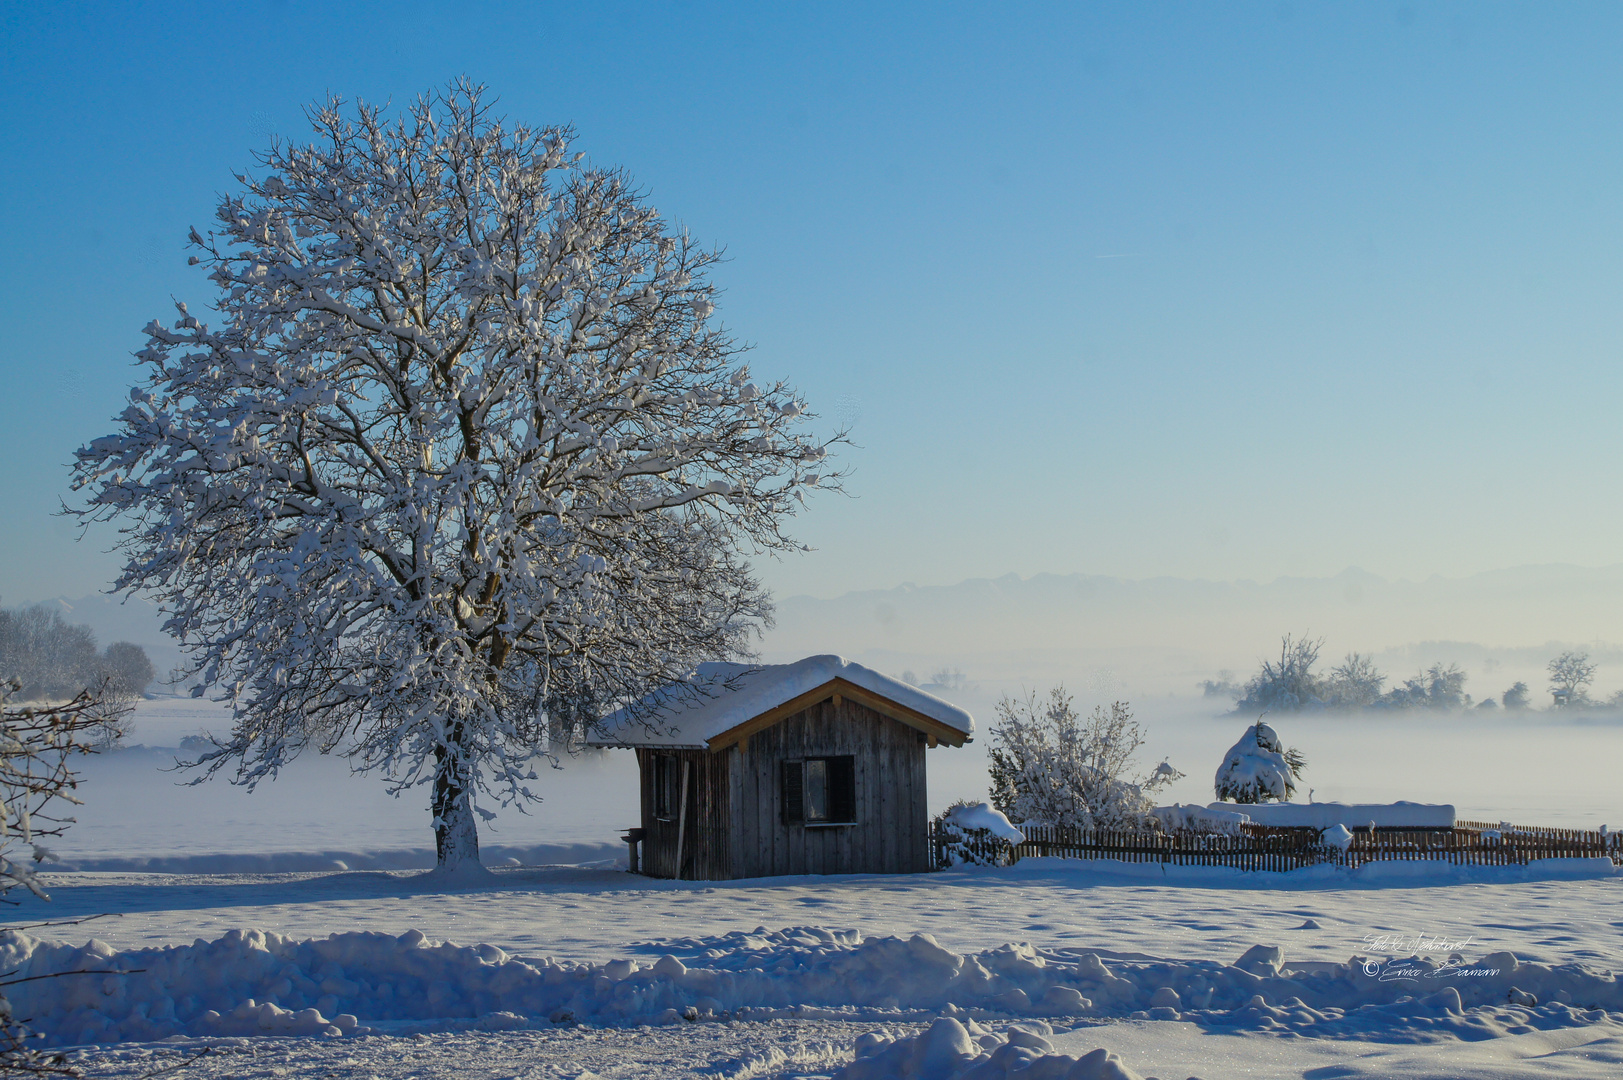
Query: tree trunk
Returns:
{"type": "Point", "coordinates": [456, 833]}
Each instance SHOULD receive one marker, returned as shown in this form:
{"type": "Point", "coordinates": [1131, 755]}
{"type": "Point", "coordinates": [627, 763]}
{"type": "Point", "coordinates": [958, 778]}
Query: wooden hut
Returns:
{"type": "Point", "coordinates": [815, 767]}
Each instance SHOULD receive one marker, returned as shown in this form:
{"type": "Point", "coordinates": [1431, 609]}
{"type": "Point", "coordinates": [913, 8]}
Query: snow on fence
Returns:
{"type": "Point", "coordinates": [1276, 848]}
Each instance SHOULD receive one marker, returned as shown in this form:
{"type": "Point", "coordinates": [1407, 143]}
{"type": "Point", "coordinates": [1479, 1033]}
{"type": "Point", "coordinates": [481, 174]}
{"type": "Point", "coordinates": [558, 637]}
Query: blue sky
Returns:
{"type": "Point", "coordinates": [1229, 291]}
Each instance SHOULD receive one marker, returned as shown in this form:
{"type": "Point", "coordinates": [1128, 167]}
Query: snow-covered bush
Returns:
{"type": "Point", "coordinates": [974, 834]}
{"type": "Point", "coordinates": [1259, 768]}
{"type": "Point", "coordinates": [1049, 766]}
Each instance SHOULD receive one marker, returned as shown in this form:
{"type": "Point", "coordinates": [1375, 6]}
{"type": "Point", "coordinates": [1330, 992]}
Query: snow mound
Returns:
{"type": "Point", "coordinates": [255, 983]}
{"type": "Point", "coordinates": [949, 1050]}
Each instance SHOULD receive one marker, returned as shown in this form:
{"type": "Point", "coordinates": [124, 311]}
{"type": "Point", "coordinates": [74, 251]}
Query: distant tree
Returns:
{"type": "Point", "coordinates": [1570, 676]}
{"type": "Point", "coordinates": [1051, 766]}
{"type": "Point", "coordinates": [51, 659]}
{"type": "Point", "coordinates": [1286, 685]}
{"type": "Point", "coordinates": [946, 678]}
{"type": "Point", "coordinates": [1222, 686]}
{"type": "Point", "coordinates": [129, 671]}
{"type": "Point", "coordinates": [465, 427]}
{"type": "Point", "coordinates": [1354, 683]}
{"type": "Point", "coordinates": [1516, 697]}
{"type": "Point", "coordinates": [1438, 687]}
{"type": "Point", "coordinates": [1259, 768]}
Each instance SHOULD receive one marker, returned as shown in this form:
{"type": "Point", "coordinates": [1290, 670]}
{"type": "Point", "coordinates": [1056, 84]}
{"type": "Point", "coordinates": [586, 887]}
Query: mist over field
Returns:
{"type": "Point", "coordinates": [1138, 639]}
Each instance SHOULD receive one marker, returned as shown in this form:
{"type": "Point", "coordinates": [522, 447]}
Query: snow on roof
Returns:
{"type": "Point", "coordinates": [715, 698]}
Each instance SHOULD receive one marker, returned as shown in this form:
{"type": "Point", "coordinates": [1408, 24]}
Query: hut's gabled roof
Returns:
{"type": "Point", "coordinates": [721, 704]}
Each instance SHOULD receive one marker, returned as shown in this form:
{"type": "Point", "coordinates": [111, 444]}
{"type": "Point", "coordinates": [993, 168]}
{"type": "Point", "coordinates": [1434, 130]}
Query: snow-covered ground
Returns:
{"type": "Point", "coordinates": [785, 975]}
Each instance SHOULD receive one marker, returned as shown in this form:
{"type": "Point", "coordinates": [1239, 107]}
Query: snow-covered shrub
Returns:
{"type": "Point", "coordinates": [1049, 766]}
{"type": "Point", "coordinates": [974, 834]}
{"type": "Point", "coordinates": [1258, 768]}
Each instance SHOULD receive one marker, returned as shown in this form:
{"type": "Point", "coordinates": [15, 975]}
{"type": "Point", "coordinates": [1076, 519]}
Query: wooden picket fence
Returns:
{"type": "Point", "coordinates": [1270, 848]}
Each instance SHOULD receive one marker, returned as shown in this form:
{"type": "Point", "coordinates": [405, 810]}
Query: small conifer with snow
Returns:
{"type": "Point", "coordinates": [1259, 768]}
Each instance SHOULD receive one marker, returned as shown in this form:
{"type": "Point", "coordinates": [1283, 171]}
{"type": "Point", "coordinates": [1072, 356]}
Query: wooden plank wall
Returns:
{"type": "Point", "coordinates": [705, 854]}
{"type": "Point", "coordinates": [891, 835]}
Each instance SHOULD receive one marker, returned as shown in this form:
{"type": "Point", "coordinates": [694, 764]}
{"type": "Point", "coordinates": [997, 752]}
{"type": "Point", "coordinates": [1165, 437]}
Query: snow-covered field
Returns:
{"type": "Point", "coordinates": [785, 976]}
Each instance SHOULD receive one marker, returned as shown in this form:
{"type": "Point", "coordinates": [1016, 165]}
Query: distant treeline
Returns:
{"type": "Point", "coordinates": [1290, 684]}
{"type": "Point", "coordinates": [54, 660]}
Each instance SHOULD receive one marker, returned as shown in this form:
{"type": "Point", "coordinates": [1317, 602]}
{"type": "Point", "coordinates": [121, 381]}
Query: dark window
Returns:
{"type": "Point", "coordinates": [820, 791]}
{"type": "Point", "coordinates": [667, 787]}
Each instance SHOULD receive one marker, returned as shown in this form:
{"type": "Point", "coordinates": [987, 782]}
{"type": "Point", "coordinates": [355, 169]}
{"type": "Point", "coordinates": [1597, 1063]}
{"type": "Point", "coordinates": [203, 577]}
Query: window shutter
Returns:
{"type": "Point", "coordinates": [842, 793]}
{"type": "Point", "coordinates": [794, 788]}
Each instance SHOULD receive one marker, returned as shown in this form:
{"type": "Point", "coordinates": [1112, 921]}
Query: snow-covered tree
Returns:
{"type": "Point", "coordinates": [465, 440]}
{"type": "Point", "coordinates": [1050, 766]}
{"type": "Point", "coordinates": [1570, 676]}
{"type": "Point", "coordinates": [1259, 768]}
{"type": "Point", "coordinates": [1354, 683]}
{"type": "Point", "coordinates": [1438, 687]}
{"type": "Point", "coordinates": [1289, 684]}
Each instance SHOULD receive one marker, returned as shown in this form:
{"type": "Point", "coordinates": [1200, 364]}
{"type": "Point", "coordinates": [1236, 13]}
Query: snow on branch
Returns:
{"type": "Point", "coordinates": [1050, 766]}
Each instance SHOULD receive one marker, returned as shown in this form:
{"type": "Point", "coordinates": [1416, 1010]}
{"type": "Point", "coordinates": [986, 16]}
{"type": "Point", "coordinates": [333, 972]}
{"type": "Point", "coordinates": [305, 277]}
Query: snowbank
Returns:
{"type": "Point", "coordinates": [950, 1050]}
{"type": "Point", "coordinates": [1397, 815]}
{"type": "Point", "coordinates": [251, 982]}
